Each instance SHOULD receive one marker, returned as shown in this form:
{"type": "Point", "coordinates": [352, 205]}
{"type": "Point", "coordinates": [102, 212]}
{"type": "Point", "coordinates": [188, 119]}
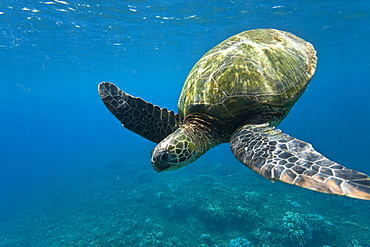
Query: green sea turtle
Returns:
{"type": "Point", "coordinates": [237, 93]}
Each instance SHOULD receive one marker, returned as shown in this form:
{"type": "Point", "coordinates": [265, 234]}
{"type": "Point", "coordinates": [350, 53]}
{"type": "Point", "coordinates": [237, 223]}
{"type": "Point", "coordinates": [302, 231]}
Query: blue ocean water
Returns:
{"type": "Point", "coordinates": [70, 175]}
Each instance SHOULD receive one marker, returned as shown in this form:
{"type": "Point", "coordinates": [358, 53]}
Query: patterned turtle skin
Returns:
{"type": "Point", "coordinates": [237, 93]}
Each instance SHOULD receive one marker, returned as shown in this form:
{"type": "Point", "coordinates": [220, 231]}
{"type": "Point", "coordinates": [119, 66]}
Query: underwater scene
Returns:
{"type": "Point", "coordinates": [71, 175]}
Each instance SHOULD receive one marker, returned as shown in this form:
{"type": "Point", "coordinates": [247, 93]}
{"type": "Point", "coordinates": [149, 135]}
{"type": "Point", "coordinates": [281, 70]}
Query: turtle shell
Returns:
{"type": "Point", "coordinates": [261, 67]}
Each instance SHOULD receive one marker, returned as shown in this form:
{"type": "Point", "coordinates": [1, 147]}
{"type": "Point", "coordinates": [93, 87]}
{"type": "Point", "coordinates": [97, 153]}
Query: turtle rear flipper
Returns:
{"type": "Point", "coordinates": [137, 115]}
{"type": "Point", "coordinates": [278, 156]}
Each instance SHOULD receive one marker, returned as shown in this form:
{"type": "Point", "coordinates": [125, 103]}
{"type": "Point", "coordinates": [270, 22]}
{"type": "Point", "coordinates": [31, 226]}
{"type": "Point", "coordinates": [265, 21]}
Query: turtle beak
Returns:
{"type": "Point", "coordinates": [160, 160]}
{"type": "Point", "coordinates": [159, 166]}
{"type": "Point", "coordinates": [156, 166]}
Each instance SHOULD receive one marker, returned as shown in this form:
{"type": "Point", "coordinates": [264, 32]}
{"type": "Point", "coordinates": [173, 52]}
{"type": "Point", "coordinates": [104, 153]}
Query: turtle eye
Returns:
{"type": "Point", "coordinates": [163, 156]}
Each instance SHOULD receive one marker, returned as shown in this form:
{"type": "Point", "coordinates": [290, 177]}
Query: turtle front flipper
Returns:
{"type": "Point", "coordinates": [278, 156]}
{"type": "Point", "coordinates": [137, 115]}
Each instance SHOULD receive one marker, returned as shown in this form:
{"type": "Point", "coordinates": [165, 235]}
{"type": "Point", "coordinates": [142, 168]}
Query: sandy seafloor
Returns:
{"type": "Point", "coordinates": [70, 175]}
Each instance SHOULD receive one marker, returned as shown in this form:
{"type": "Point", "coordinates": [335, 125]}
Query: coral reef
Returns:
{"type": "Point", "coordinates": [296, 228]}
{"type": "Point", "coordinates": [200, 207]}
{"type": "Point", "coordinates": [239, 242]}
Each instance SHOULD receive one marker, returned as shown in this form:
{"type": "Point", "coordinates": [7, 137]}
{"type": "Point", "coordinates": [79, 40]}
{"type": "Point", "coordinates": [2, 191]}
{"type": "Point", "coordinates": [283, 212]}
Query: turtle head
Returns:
{"type": "Point", "coordinates": [175, 151]}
